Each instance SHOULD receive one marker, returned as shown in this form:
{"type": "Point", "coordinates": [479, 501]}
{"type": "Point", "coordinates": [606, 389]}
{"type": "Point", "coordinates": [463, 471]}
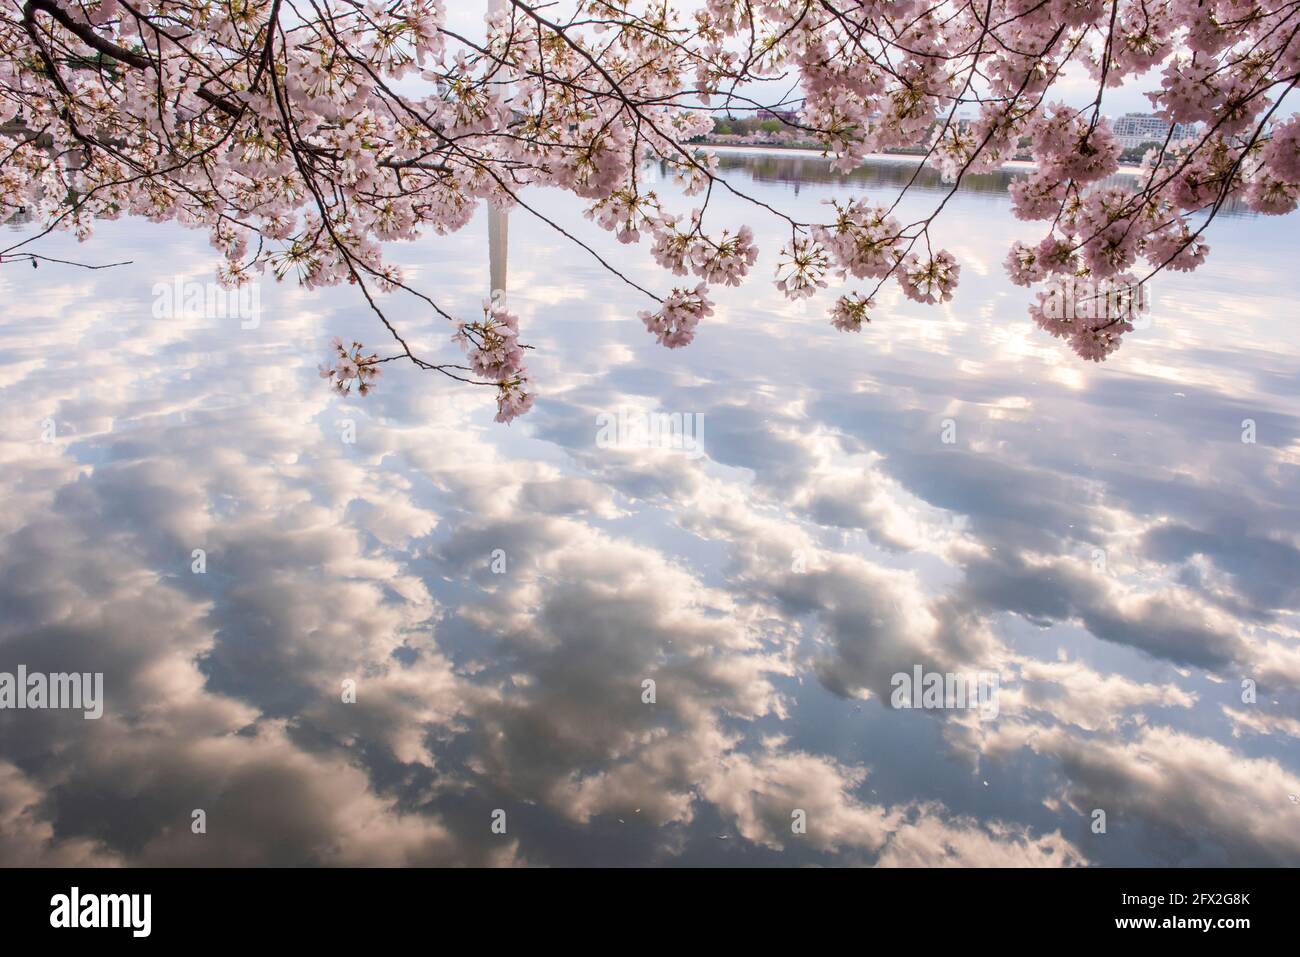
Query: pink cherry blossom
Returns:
{"type": "Point", "coordinates": [304, 147]}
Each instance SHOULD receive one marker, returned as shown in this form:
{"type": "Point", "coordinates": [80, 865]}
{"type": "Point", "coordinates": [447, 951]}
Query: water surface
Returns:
{"type": "Point", "coordinates": [1098, 536]}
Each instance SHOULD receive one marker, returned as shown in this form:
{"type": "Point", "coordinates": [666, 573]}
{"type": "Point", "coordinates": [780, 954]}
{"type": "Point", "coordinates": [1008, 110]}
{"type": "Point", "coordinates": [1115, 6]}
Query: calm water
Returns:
{"type": "Point", "coordinates": [1101, 538]}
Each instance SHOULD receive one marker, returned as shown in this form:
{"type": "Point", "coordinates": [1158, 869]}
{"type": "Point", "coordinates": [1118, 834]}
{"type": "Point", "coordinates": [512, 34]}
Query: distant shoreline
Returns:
{"type": "Point", "coordinates": [916, 158]}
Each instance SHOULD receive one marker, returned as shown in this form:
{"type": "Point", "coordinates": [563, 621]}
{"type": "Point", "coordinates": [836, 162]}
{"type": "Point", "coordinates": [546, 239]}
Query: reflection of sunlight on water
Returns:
{"type": "Point", "coordinates": [1096, 533]}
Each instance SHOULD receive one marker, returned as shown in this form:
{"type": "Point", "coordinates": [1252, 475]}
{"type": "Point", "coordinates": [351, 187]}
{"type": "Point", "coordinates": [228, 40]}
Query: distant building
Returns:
{"type": "Point", "coordinates": [784, 116]}
{"type": "Point", "coordinates": [1134, 129]}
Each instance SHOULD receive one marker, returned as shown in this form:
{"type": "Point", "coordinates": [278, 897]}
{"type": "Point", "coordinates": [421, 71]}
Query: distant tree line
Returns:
{"type": "Point", "coordinates": [745, 126]}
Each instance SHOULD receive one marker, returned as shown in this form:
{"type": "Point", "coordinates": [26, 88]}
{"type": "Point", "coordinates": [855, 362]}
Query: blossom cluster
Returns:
{"type": "Point", "coordinates": [496, 356]}
{"type": "Point", "coordinates": [351, 367]}
{"type": "Point", "coordinates": [673, 325]}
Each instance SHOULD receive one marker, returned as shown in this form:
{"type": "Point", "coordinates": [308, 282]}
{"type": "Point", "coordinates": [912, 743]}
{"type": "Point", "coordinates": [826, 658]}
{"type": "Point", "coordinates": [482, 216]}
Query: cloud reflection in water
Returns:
{"type": "Point", "coordinates": [826, 540]}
